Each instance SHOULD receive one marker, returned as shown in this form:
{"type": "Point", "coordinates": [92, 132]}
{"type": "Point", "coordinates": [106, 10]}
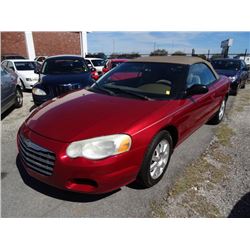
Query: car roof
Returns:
{"type": "Point", "coordinates": [187, 60]}
{"type": "Point", "coordinates": [93, 58]}
{"type": "Point", "coordinates": [227, 59]}
{"type": "Point", "coordinates": [19, 60]}
{"type": "Point", "coordinates": [119, 60]}
{"type": "Point", "coordinates": [60, 56]}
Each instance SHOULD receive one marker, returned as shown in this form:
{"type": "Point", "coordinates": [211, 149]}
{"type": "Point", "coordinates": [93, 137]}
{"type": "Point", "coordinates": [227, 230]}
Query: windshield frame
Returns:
{"type": "Point", "coordinates": [45, 63]}
{"type": "Point", "coordinates": [101, 60]}
{"type": "Point", "coordinates": [25, 62]}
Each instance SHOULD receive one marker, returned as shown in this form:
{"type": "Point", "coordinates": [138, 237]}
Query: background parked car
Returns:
{"type": "Point", "coordinates": [112, 63]}
{"type": "Point", "coordinates": [11, 56]}
{"type": "Point", "coordinates": [11, 93]}
{"type": "Point", "coordinates": [40, 59]}
{"type": "Point", "coordinates": [59, 75]}
{"type": "Point", "coordinates": [25, 70]}
{"type": "Point", "coordinates": [235, 69]}
{"type": "Point", "coordinates": [97, 63]}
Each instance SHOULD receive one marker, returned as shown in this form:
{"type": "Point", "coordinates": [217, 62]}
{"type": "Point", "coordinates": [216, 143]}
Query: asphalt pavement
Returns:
{"type": "Point", "coordinates": [24, 197]}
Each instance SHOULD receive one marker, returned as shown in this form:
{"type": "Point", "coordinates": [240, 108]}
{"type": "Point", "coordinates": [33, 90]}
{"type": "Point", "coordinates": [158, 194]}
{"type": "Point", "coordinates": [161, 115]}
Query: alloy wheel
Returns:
{"type": "Point", "coordinates": [159, 159]}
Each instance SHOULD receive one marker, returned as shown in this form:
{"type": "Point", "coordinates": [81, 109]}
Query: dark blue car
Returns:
{"type": "Point", "coordinates": [235, 69]}
{"type": "Point", "coordinates": [60, 75]}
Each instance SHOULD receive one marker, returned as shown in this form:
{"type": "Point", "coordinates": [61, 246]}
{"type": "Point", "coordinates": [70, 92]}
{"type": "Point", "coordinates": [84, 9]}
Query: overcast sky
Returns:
{"type": "Point", "coordinates": [145, 42]}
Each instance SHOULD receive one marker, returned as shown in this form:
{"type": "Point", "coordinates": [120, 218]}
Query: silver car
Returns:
{"type": "Point", "coordinates": [11, 93]}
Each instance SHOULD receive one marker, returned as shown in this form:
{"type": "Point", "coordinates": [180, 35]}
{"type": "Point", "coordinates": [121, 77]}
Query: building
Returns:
{"type": "Point", "coordinates": [32, 44]}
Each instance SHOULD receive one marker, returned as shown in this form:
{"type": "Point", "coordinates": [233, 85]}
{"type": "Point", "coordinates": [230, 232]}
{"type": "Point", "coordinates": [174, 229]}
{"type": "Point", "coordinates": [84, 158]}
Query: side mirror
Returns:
{"type": "Point", "coordinates": [197, 89]}
{"type": "Point", "coordinates": [92, 69]}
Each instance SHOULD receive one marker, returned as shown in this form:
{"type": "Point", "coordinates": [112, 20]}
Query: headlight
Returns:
{"type": "Point", "coordinates": [28, 79]}
{"type": "Point", "coordinates": [37, 91]}
{"type": "Point", "coordinates": [232, 78]}
{"type": "Point", "coordinates": [100, 147]}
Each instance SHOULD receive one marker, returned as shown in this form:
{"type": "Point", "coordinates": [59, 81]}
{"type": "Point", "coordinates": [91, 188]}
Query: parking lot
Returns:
{"type": "Point", "coordinates": [25, 197]}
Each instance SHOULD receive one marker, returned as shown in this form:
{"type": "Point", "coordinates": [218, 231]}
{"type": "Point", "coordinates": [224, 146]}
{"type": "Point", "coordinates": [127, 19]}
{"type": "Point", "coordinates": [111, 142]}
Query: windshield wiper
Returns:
{"type": "Point", "coordinates": [97, 86]}
{"type": "Point", "coordinates": [129, 92]}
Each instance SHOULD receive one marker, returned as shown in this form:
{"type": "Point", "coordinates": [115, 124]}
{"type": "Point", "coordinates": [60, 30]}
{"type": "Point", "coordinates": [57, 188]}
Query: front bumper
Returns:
{"type": "Point", "coordinates": [233, 87]}
{"type": "Point", "coordinates": [40, 99]}
{"type": "Point", "coordinates": [30, 84]}
{"type": "Point", "coordinates": [80, 174]}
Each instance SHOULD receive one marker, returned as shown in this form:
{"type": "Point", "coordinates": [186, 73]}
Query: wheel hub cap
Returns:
{"type": "Point", "coordinates": [222, 108]}
{"type": "Point", "coordinates": [159, 159]}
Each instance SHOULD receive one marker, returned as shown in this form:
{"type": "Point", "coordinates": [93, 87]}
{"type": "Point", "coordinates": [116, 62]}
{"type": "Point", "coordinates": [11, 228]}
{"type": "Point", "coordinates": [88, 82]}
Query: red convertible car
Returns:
{"type": "Point", "coordinates": [125, 127]}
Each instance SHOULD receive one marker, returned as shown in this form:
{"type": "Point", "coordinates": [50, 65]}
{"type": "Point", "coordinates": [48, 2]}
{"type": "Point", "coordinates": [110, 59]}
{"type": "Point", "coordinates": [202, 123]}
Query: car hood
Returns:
{"type": "Point", "coordinates": [65, 78]}
{"type": "Point", "coordinates": [226, 72]}
{"type": "Point", "coordinates": [28, 74]}
{"type": "Point", "coordinates": [82, 115]}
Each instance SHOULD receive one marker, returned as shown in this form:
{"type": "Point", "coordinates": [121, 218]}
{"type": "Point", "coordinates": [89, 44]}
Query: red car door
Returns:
{"type": "Point", "coordinates": [197, 109]}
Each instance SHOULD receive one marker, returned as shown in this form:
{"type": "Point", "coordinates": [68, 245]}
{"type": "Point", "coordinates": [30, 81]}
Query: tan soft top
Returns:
{"type": "Point", "coordinates": [187, 60]}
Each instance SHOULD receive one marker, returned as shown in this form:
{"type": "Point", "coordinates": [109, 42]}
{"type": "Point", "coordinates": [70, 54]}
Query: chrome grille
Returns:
{"type": "Point", "coordinates": [36, 157]}
{"type": "Point", "coordinates": [64, 88]}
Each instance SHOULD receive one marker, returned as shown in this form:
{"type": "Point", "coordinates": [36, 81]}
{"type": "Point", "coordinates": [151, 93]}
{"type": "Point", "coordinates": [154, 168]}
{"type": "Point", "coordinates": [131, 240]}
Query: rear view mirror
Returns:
{"type": "Point", "coordinates": [197, 89]}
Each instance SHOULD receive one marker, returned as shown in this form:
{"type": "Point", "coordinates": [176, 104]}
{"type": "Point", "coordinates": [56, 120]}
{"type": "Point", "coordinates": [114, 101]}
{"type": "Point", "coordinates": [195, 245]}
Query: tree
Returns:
{"type": "Point", "coordinates": [214, 56]}
{"type": "Point", "coordinates": [98, 55]}
{"type": "Point", "coordinates": [159, 52]}
{"type": "Point", "coordinates": [179, 53]}
{"type": "Point", "coordinates": [125, 55]}
{"type": "Point", "coordinates": [201, 56]}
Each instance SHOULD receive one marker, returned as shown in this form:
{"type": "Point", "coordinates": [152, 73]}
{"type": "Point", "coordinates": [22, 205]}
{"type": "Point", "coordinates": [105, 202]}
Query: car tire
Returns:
{"type": "Point", "coordinates": [218, 117]}
{"type": "Point", "coordinates": [235, 91]}
{"type": "Point", "coordinates": [243, 85]}
{"type": "Point", "coordinates": [19, 98]}
{"type": "Point", "coordinates": [156, 159]}
{"type": "Point", "coordinates": [22, 85]}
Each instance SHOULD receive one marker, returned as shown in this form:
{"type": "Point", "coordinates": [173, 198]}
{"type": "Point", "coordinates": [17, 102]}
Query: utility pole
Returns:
{"type": "Point", "coordinates": [193, 52]}
{"type": "Point", "coordinates": [154, 46]}
{"type": "Point", "coordinates": [245, 54]}
{"type": "Point", "coordinates": [208, 54]}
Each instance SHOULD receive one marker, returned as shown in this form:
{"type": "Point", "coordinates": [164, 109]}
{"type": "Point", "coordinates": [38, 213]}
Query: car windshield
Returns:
{"type": "Point", "coordinates": [151, 79]}
{"type": "Point", "coordinates": [226, 64]}
{"type": "Point", "coordinates": [25, 65]}
{"type": "Point", "coordinates": [98, 62]}
{"type": "Point", "coordinates": [64, 66]}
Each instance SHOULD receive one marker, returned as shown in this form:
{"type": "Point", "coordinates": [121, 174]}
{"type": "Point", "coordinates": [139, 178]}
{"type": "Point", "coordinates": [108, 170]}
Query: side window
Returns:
{"type": "Point", "coordinates": [5, 64]}
{"type": "Point", "coordinates": [88, 62]}
{"type": "Point", "coordinates": [200, 73]}
{"type": "Point", "coordinates": [3, 71]}
{"type": "Point", "coordinates": [10, 65]}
